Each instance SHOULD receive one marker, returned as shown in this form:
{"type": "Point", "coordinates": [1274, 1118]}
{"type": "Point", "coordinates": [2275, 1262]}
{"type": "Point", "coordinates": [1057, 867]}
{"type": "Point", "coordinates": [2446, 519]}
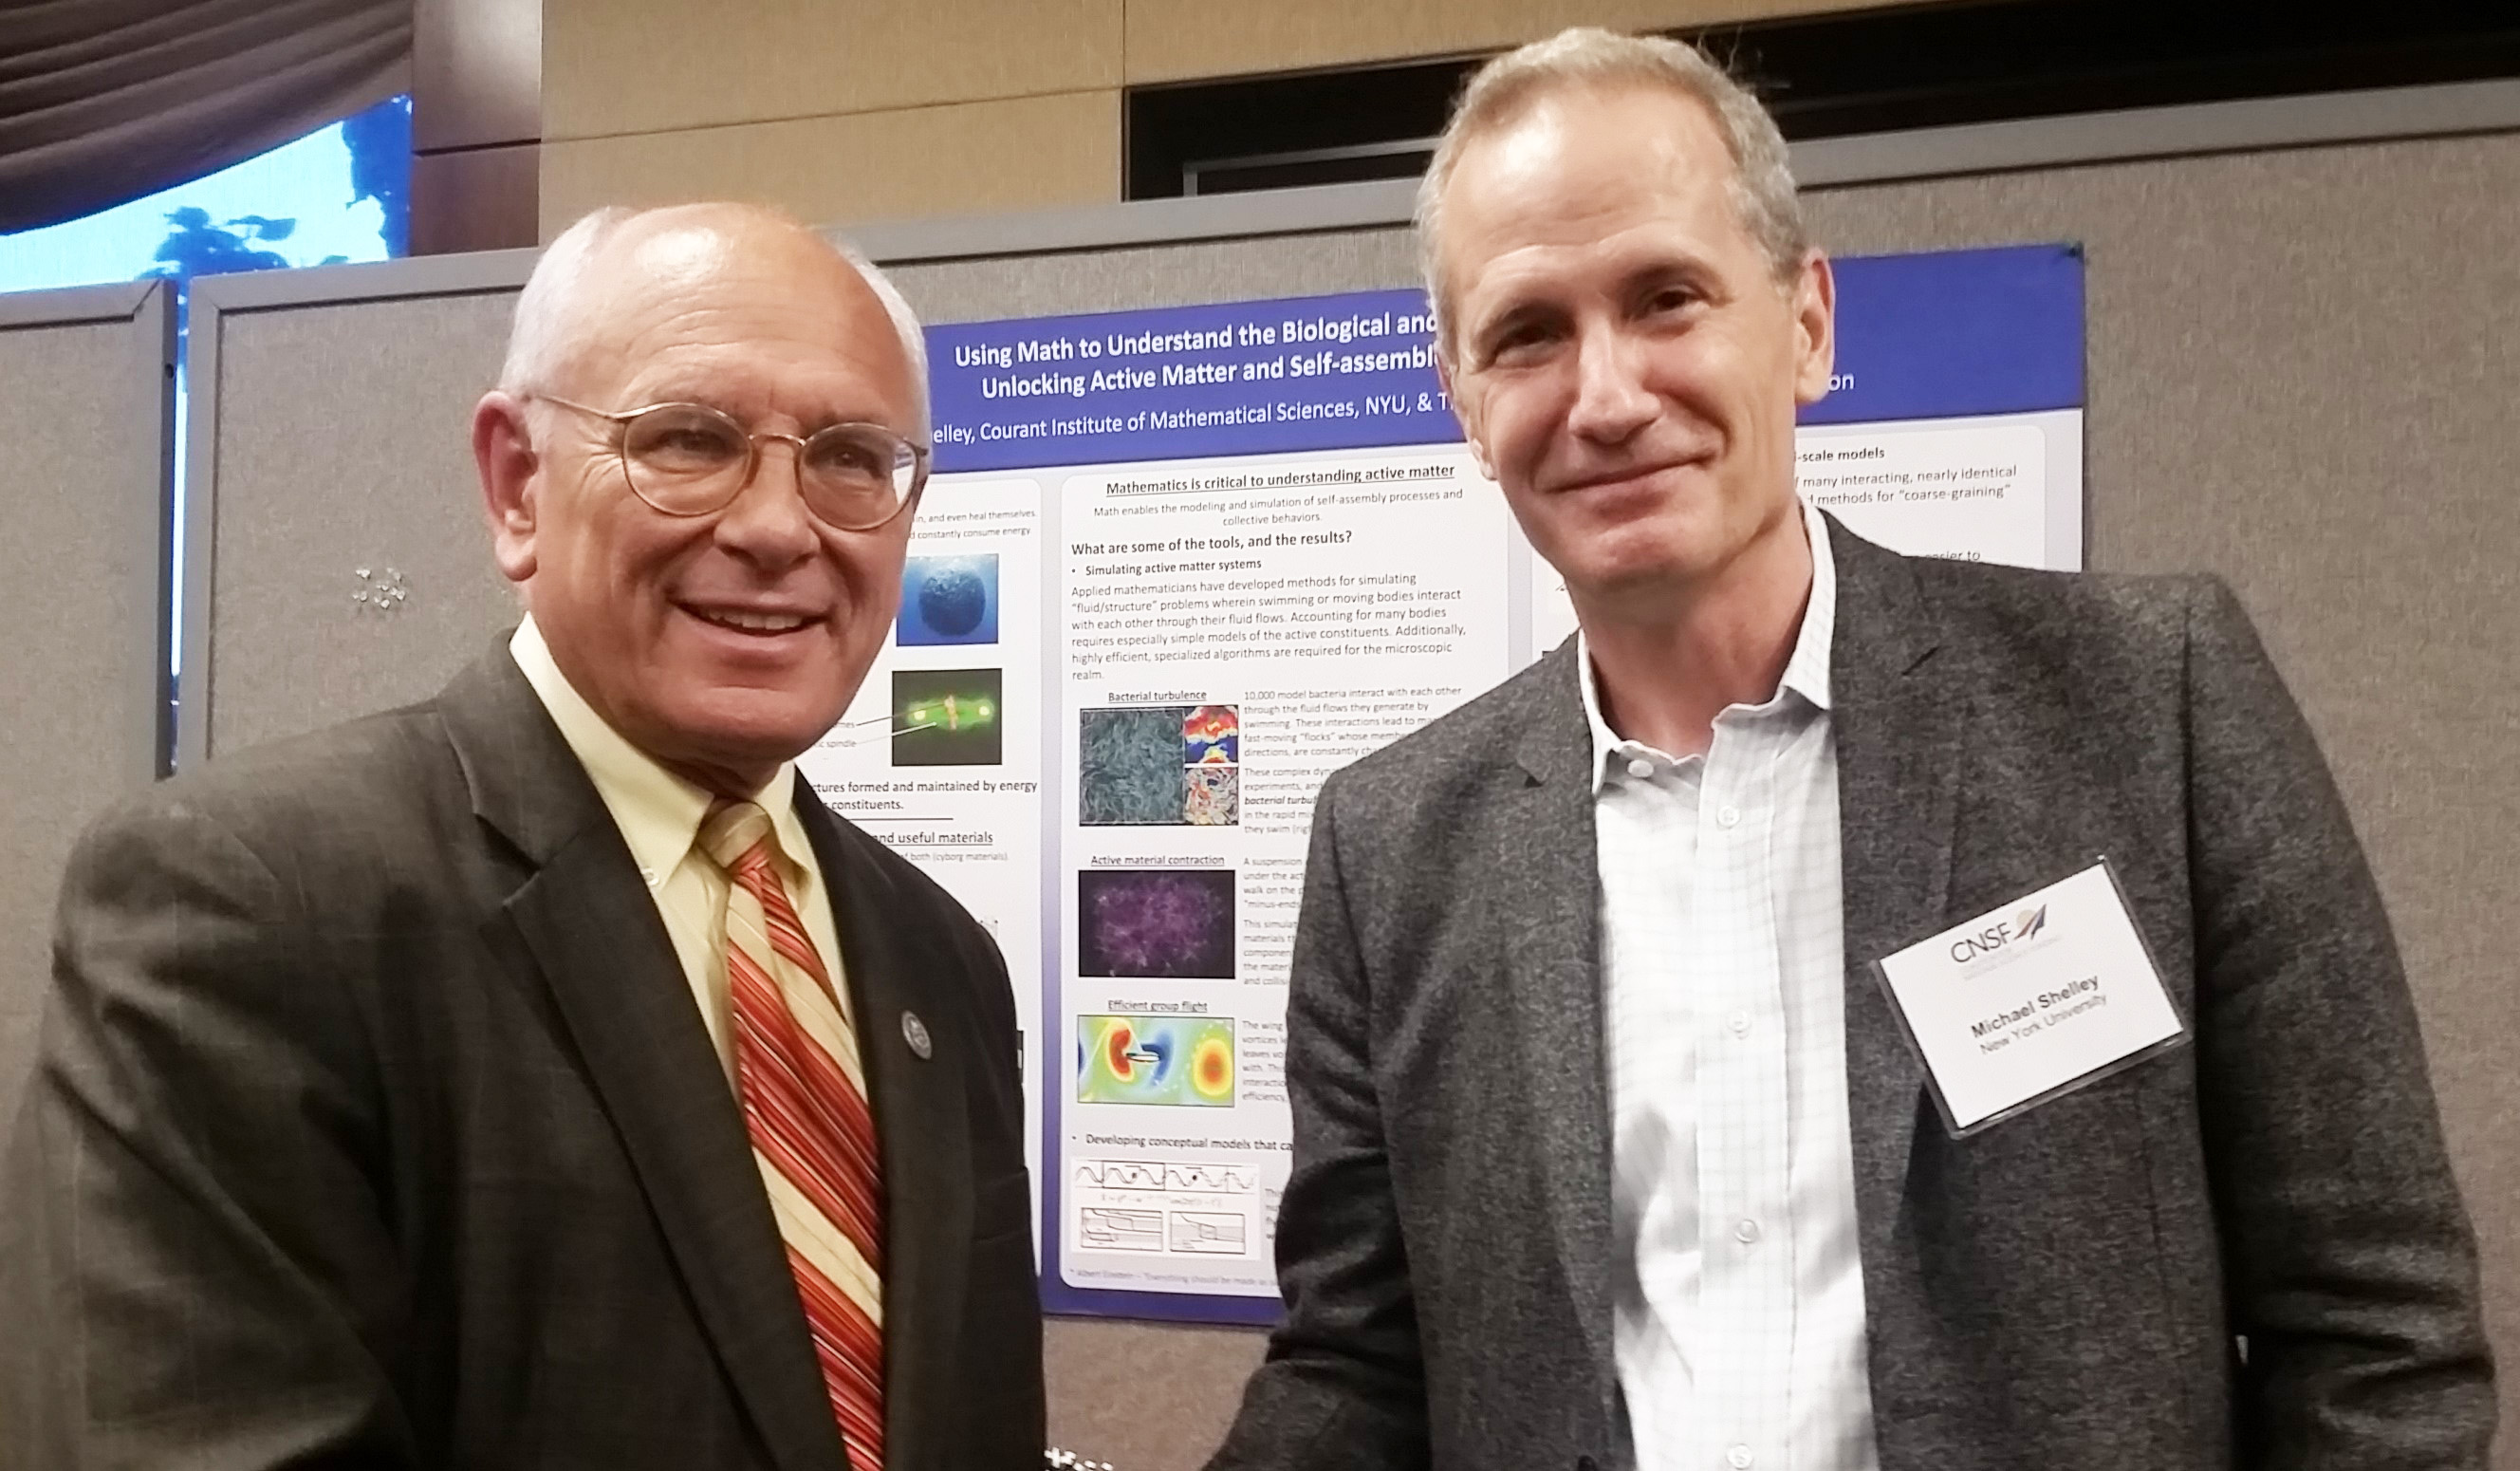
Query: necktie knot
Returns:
{"type": "Point", "coordinates": [736, 834]}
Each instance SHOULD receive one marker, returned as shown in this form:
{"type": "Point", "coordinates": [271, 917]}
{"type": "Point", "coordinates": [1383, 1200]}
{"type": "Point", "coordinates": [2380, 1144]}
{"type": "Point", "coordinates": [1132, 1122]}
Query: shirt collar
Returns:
{"type": "Point", "coordinates": [658, 812]}
{"type": "Point", "coordinates": [1806, 669]}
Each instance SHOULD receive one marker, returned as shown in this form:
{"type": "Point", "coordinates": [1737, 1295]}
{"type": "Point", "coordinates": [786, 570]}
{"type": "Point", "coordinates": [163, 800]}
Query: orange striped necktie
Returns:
{"type": "Point", "coordinates": [813, 1135]}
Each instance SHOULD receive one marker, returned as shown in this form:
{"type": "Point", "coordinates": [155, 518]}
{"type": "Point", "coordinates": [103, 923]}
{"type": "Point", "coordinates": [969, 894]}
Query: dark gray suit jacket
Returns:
{"type": "Point", "coordinates": [2060, 1292]}
{"type": "Point", "coordinates": [374, 1126]}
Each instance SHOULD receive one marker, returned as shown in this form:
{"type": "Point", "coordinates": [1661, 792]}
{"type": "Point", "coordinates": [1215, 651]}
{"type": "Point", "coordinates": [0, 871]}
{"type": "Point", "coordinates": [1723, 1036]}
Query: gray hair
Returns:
{"type": "Point", "coordinates": [538, 343]}
{"type": "Point", "coordinates": [1588, 58]}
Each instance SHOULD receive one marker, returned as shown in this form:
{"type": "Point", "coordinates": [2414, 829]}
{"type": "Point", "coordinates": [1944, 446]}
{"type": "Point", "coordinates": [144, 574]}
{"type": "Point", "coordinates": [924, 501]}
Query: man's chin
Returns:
{"type": "Point", "coordinates": [1632, 561]}
{"type": "Point", "coordinates": [733, 750]}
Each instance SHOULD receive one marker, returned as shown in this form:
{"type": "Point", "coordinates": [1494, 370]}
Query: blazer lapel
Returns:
{"type": "Point", "coordinates": [1898, 741]}
{"type": "Point", "coordinates": [611, 970]}
{"type": "Point", "coordinates": [898, 969]}
{"type": "Point", "coordinates": [1549, 883]}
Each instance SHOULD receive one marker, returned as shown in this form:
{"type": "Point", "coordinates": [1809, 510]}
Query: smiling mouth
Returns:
{"type": "Point", "coordinates": [1623, 480]}
{"type": "Point", "coordinates": [743, 621]}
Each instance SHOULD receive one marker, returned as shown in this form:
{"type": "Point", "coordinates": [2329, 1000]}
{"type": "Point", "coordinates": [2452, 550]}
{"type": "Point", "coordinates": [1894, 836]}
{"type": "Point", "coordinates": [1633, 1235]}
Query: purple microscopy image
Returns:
{"type": "Point", "coordinates": [1175, 922]}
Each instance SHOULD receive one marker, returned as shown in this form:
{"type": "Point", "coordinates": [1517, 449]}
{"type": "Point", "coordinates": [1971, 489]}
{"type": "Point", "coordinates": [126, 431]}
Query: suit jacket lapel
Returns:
{"type": "Point", "coordinates": [1549, 878]}
{"type": "Point", "coordinates": [611, 970]}
{"type": "Point", "coordinates": [1898, 737]}
{"type": "Point", "coordinates": [893, 949]}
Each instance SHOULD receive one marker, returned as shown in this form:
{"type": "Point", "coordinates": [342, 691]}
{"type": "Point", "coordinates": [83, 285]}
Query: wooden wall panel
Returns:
{"type": "Point", "coordinates": [474, 199]}
{"type": "Point", "coordinates": [984, 105]}
{"type": "Point", "coordinates": [1174, 40]}
{"type": "Point", "coordinates": [476, 110]}
{"type": "Point", "coordinates": [613, 67]}
{"type": "Point", "coordinates": [476, 69]}
{"type": "Point", "coordinates": [1020, 154]}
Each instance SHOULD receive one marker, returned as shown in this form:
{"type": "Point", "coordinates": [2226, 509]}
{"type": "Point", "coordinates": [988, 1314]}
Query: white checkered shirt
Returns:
{"type": "Point", "coordinates": [1738, 1288]}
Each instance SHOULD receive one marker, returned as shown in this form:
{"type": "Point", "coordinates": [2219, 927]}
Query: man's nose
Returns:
{"type": "Point", "coordinates": [1611, 399]}
{"type": "Point", "coordinates": [768, 522]}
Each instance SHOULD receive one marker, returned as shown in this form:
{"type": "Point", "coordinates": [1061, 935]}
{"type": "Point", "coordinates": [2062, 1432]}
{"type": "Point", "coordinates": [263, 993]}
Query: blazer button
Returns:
{"type": "Point", "coordinates": [1586, 1463]}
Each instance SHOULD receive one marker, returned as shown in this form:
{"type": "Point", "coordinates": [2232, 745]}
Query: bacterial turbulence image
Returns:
{"type": "Point", "coordinates": [1160, 766]}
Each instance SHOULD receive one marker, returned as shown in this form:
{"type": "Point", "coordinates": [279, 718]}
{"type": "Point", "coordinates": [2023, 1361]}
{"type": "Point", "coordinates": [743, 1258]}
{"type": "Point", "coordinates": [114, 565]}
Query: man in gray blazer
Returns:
{"type": "Point", "coordinates": [1609, 1150]}
{"type": "Point", "coordinates": [540, 1075]}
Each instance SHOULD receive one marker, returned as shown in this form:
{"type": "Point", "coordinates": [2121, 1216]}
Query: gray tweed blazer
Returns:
{"type": "Point", "coordinates": [2245, 1252]}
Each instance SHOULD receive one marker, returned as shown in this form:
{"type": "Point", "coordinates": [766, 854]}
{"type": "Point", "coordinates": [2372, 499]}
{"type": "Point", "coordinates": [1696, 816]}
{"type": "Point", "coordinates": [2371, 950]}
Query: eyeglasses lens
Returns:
{"type": "Point", "coordinates": [688, 460]}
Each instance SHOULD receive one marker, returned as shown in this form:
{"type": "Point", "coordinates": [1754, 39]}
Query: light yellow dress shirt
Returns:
{"type": "Point", "coordinates": [659, 816]}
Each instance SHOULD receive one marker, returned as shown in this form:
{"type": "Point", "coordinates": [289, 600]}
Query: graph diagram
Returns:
{"type": "Point", "coordinates": [1214, 1233]}
{"type": "Point", "coordinates": [1106, 1230]}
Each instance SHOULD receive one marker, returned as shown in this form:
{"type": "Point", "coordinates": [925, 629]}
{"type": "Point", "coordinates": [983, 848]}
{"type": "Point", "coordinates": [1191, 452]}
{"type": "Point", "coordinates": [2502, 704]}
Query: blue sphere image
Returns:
{"type": "Point", "coordinates": [949, 600]}
{"type": "Point", "coordinates": [953, 601]}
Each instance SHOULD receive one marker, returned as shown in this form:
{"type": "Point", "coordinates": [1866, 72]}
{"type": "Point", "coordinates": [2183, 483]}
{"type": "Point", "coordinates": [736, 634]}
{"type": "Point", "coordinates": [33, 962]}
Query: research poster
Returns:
{"type": "Point", "coordinates": [1177, 566]}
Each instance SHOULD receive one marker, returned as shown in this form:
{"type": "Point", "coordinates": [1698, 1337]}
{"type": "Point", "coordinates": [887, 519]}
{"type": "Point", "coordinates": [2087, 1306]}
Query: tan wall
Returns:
{"type": "Point", "coordinates": [906, 109]}
{"type": "Point", "coordinates": [476, 123]}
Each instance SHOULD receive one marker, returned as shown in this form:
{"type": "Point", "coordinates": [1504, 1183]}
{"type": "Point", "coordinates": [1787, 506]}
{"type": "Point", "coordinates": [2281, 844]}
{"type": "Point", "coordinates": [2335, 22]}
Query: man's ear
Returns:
{"type": "Point", "coordinates": [502, 451]}
{"type": "Point", "coordinates": [1463, 410]}
{"type": "Point", "coordinates": [1814, 307]}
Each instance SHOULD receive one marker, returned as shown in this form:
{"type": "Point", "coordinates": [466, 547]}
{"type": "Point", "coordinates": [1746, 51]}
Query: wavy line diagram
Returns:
{"type": "Point", "coordinates": [1120, 1174]}
{"type": "Point", "coordinates": [1212, 1180]}
{"type": "Point", "coordinates": [1150, 1174]}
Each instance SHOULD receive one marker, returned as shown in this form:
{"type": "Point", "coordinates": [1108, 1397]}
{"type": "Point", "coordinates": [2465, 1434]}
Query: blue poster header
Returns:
{"type": "Point", "coordinates": [1951, 333]}
{"type": "Point", "coordinates": [1344, 372]}
{"type": "Point", "coordinates": [1946, 335]}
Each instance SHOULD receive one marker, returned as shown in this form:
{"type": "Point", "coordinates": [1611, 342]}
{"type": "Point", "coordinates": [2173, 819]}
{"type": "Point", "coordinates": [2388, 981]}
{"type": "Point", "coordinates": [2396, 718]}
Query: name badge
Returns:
{"type": "Point", "coordinates": [2032, 1000]}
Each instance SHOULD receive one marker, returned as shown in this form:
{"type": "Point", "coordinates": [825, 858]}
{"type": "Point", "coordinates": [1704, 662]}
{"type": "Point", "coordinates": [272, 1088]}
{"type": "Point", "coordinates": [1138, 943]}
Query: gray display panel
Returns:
{"type": "Point", "coordinates": [86, 405]}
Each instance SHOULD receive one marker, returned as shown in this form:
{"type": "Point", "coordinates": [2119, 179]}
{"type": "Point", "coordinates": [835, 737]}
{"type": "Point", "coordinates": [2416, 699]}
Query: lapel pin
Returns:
{"type": "Point", "coordinates": [914, 1032]}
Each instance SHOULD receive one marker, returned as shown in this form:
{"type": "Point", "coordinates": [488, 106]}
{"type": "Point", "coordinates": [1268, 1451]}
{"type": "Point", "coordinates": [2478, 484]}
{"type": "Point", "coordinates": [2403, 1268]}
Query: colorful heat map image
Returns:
{"type": "Point", "coordinates": [1215, 796]}
{"type": "Point", "coordinates": [947, 718]}
{"type": "Point", "coordinates": [1177, 1061]}
{"type": "Point", "coordinates": [1211, 734]}
{"type": "Point", "coordinates": [1172, 922]}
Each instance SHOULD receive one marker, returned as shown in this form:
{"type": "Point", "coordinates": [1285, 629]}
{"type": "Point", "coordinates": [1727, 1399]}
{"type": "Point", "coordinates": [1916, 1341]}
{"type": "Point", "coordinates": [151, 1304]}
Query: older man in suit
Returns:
{"type": "Point", "coordinates": [539, 1076]}
{"type": "Point", "coordinates": [1608, 1147]}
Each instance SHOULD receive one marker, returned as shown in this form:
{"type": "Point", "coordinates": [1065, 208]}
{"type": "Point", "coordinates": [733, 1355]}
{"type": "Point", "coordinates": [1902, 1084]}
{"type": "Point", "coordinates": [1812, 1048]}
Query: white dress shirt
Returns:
{"type": "Point", "coordinates": [1738, 1290]}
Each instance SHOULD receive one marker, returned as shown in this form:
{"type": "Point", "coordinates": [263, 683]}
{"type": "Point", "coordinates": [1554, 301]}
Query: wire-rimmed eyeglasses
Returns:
{"type": "Point", "coordinates": [688, 459]}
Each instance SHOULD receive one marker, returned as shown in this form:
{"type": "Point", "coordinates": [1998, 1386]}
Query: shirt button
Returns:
{"type": "Point", "coordinates": [1739, 1458]}
{"type": "Point", "coordinates": [1640, 768]}
{"type": "Point", "coordinates": [1746, 1231]}
{"type": "Point", "coordinates": [1729, 816]}
{"type": "Point", "coordinates": [1741, 1024]}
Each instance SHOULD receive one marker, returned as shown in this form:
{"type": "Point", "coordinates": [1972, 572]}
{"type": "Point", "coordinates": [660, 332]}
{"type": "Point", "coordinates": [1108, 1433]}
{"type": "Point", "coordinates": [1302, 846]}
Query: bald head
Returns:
{"type": "Point", "coordinates": [616, 269]}
{"type": "Point", "coordinates": [721, 639]}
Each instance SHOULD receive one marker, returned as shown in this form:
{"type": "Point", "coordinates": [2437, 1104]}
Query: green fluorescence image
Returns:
{"type": "Point", "coordinates": [947, 718]}
{"type": "Point", "coordinates": [951, 712]}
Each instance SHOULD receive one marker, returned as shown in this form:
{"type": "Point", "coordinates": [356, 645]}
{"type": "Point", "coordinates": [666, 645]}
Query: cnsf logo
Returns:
{"type": "Point", "coordinates": [1995, 936]}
